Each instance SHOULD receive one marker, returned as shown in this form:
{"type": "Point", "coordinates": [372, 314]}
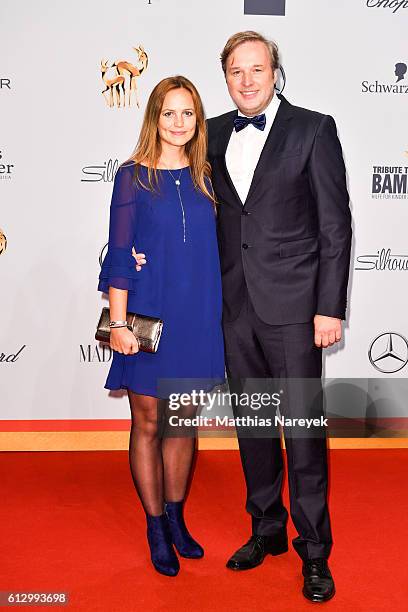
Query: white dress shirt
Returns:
{"type": "Point", "coordinates": [244, 150]}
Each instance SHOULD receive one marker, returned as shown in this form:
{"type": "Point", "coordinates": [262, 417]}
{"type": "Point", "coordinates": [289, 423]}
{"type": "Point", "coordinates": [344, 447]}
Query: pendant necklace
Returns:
{"type": "Point", "coordinates": [177, 184]}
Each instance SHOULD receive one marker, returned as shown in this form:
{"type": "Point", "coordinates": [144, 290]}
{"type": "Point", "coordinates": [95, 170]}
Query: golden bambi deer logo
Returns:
{"type": "Point", "coordinates": [121, 77]}
{"type": "Point", "coordinates": [3, 242]}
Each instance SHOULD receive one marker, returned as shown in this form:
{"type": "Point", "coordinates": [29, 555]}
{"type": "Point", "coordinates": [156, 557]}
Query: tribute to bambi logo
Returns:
{"type": "Point", "coordinates": [120, 79]}
{"type": "Point", "coordinates": [264, 7]}
{"type": "Point", "coordinates": [3, 242]}
{"type": "Point", "coordinates": [395, 87]}
{"type": "Point", "coordinates": [100, 172]}
{"type": "Point", "coordinates": [388, 352]}
{"type": "Point", "coordinates": [393, 5]}
{"type": "Point", "coordinates": [389, 182]}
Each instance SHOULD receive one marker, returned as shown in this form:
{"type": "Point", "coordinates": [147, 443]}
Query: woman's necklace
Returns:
{"type": "Point", "coordinates": [177, 183]}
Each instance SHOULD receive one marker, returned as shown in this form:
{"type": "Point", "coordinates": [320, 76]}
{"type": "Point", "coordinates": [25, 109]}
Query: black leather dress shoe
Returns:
{"type": "Point", "coordinates": [318, 583]}
{"type": "Point", "coordinates": [255, 550]}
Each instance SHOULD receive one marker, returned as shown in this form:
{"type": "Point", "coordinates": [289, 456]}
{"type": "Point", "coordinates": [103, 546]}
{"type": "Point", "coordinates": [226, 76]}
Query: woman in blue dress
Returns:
{"type": "Point", "coordinates": [163, 205]}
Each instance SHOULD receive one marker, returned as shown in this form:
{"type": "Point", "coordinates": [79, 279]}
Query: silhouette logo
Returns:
{"type": "Point", "coordinates": [264, 7]}
{"type": "Point", "coordinates": [388, 352]}
{"type": "Point", "coordinates": [400, 71]}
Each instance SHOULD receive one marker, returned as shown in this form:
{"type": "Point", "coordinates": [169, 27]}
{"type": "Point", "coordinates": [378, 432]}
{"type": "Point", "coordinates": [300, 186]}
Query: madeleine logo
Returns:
{"type": "Point", "coordinates": [3, 242]}
{"type": "Point", "coordinates": [120, 79]}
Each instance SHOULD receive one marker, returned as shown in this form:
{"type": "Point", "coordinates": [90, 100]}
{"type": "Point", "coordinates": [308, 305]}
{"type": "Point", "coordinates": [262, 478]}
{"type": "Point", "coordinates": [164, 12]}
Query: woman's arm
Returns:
{"type": "Point", "coordinates": [118, 274]}
{"type": "Point", "coordinates": [122, 339]}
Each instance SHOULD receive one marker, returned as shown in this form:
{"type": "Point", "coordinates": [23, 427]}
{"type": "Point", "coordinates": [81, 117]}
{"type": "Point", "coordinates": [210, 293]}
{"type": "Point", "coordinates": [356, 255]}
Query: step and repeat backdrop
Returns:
{"type": "Point", "coordinates": [74, 81]}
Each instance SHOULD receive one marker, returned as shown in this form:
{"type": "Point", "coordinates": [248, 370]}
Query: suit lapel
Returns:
{"type": "Point", "coordinates": [223, 140]}
{"type": "Point", "coordinates": [275, 137]}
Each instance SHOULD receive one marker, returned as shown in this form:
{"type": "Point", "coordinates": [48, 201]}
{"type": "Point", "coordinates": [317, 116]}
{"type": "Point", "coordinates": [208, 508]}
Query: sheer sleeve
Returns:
{"type": "Point", "coordinates": [118, 267]}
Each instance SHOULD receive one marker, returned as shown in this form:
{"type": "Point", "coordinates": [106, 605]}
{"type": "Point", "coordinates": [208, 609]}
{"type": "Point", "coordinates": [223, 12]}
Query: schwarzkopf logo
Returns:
{"type": "Point", "coordinates": [265, 7]}
{"type": "Point", "coordinates": [389, 182]}
{"type": "Point", "coordinates": [5, 83]}
{"type": "Point", "coordinates": [104, 172]}
{"type": "Point", "coordinates": [394, 5]}
{"type": "Point", "coordinates": [388, 352]}
{"type": "Point", "coordinates": [383, 260]}
{"type": "Point", "coordinates": [395, 87]}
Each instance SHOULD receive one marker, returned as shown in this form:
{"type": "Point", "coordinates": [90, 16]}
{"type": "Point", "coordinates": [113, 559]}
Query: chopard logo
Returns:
{"type": "Point", "coordinates": [388, 352]}
{"type": "Point", "coordinates": [383, 260]}
{"type": "Point", "coordinates": [393, 5]}
{"type": "Point", "coordinates": [104, 172]}
{"type": "Point", "coordinates": [12, 357]}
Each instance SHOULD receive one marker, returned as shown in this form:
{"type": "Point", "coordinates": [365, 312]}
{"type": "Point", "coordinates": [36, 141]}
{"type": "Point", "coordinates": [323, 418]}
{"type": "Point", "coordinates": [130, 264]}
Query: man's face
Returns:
{"type": "Point", "coordinates": [250, 78]}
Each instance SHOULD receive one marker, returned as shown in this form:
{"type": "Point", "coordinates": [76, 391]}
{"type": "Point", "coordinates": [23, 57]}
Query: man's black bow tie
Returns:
{"type": "Point", "coordinates": [241, 122]}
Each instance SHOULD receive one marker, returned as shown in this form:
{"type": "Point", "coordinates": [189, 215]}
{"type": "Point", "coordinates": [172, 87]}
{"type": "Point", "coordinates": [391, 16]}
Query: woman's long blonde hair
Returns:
{"type": "Point", "coordinates": [148, 148]}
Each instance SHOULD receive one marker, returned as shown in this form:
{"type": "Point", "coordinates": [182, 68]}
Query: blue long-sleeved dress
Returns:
{"type": "Point", "coordinates": [180, 283]}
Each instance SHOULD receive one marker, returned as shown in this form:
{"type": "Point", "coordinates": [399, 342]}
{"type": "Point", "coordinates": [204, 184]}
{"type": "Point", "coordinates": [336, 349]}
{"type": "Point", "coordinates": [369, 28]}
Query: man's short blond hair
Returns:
{"type": "Point", "coordinates": [249, 36]}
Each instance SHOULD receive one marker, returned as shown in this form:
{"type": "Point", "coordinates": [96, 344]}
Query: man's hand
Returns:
{"type": "Point", "coordinates": [327, 330]}
{"type": "Point", "coordinates": [140, 259]}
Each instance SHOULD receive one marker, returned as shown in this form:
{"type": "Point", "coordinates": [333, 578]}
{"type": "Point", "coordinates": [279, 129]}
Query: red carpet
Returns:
{"type": "Point", "coordinates": [70, 521]}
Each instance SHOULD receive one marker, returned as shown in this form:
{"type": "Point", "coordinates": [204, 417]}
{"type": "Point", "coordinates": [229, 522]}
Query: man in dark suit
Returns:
{"type": "Point", "coordinates": [284, 232]}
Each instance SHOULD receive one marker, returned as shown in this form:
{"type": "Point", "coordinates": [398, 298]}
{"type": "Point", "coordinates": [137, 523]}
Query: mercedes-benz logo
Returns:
{"type": "Point", "coordinates": [388, 352]}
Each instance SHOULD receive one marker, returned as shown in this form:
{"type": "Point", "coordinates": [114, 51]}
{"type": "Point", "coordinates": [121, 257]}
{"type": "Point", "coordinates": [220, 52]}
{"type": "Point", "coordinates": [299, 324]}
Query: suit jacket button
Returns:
{"type": "Point", "coordinates": [245, 212]}
{"type": "Point", "coordinates": [244, 246]}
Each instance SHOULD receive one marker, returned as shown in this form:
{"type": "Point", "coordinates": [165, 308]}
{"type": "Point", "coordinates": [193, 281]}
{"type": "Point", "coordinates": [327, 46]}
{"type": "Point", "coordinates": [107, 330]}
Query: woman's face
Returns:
{"type": "Point", "coordinates": [177, 122]}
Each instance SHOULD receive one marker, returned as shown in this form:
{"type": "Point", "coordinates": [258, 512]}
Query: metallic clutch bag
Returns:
{"type": "Point", "coordinates": [146, 329]}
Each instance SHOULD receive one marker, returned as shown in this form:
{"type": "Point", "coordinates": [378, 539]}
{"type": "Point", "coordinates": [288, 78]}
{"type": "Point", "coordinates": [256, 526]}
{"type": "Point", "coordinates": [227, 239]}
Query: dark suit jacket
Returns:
{"type": "Point", "coordinates": [290, 243]}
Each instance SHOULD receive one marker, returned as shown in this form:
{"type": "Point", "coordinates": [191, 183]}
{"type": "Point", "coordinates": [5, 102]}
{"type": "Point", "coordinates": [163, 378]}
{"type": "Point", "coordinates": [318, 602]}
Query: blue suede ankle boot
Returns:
{"type": "Point", "coordinates": [162, 552]}
{"type": "Point", "coordinates": [186, 546]}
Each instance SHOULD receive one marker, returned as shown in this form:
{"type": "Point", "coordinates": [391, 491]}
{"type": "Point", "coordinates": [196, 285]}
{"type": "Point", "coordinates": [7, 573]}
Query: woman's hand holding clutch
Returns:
{"type": "Point", "coordinates": [123, 341]}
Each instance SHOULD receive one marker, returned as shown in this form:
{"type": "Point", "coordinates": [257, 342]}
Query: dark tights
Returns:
{"type": "Point", "coordinates": [160, 464]}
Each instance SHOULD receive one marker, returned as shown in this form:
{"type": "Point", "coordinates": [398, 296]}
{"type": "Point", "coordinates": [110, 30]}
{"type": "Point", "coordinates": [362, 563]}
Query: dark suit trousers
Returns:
{"type": "Point", "coordinates": [255, 349]}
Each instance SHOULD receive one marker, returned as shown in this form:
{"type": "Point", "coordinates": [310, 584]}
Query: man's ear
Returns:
{"type": "Point", "coordinates": [275, 76]}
